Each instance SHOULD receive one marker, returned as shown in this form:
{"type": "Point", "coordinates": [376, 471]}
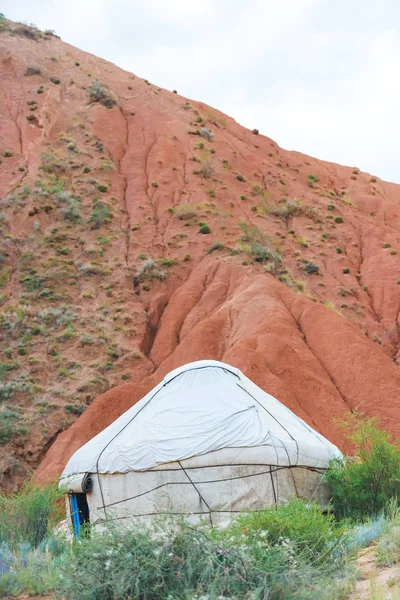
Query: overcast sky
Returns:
{"type": "Point", "coordinates": [318, 76]}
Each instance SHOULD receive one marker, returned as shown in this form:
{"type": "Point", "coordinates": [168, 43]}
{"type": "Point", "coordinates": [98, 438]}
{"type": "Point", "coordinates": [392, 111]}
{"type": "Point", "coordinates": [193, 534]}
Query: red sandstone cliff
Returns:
{"type": "Point", "coordinates": [140, 231]}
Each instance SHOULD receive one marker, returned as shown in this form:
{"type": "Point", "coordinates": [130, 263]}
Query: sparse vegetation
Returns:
{"type": "Point", "coordinates": [259, 246]}
{"type": "Point", "coordinates": [204, 228]}
{"type": "Point", "coordinates": [101, 215]}
{"type": "Point", "coordinates": [33, 71]}
{"type": "Point", "coordinates": [310, 268]}
{"type": "Point", "coordinates": [99, 93]}
{"type": "Point", "coordinates": [206, 133]}
{"type": "Point", "coordinates": [215, 246]}
{"type": "Point", "coordinates": [365, 485]}
{"type": "Point", "coordinates": [207, 169]}
{"type": "Point", "coordinates": [294, 550]}
{"type": "Point", "coordinates": [283, 210]}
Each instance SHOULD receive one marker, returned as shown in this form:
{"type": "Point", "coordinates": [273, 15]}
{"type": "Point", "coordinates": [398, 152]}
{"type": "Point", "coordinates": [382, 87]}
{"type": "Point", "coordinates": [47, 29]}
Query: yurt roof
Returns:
{"type": "Point", "coordinates": [209, 413]}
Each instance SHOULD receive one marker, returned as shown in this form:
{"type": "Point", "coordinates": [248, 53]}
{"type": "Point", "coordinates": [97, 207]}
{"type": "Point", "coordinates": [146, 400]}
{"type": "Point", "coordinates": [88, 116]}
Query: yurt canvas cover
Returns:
{"type": "Point", "coordinates": [205, 442]}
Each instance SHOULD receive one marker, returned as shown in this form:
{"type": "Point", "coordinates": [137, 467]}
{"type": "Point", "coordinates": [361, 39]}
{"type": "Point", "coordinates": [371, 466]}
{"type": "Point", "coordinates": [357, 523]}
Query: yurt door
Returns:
{"type": "Point", "coordinates": [79, 511]}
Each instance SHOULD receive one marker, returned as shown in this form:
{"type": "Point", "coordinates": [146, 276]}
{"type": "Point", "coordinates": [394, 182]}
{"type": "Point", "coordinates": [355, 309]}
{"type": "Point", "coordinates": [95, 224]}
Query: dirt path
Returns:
{"type": "Point", "coordinates": [377, 583]}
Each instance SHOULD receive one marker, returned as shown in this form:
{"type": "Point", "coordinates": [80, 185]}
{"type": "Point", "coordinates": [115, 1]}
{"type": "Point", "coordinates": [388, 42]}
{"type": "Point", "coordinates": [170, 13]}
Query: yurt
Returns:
{"type": "Point", "coordinates": [205, 443]}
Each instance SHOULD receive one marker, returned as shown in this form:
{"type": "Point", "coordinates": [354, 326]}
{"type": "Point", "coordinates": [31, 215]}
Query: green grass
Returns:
{"type": "Point", "coordinates": [296, 550]}
{"type": "Point", "coordinates": [291, 551]}
{"type": "Point", "coordinates": [28, 516]}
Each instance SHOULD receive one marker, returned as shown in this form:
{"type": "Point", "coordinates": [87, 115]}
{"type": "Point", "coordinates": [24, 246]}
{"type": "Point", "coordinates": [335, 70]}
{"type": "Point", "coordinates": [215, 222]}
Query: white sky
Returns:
{"type": "Point", "coordinates": [318, 76]}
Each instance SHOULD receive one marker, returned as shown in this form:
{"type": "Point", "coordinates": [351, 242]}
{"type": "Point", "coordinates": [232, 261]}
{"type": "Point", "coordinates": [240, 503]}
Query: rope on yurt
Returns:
{"type": "Point", "coordinates": [316, 489]}
{"type": "Point", "coordinates": [272, 416]}
{"type": "Point", "coordinates": [288, 432]}
{"type": "Point", "coordinates": [197, 490]}
{"type": "Point", "coordinates": [272, 469]}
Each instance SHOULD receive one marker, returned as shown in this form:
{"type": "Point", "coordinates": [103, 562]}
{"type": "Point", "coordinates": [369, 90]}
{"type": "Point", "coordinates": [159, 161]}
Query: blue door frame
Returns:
{"type": "Point", "coordinates": [75, 515]}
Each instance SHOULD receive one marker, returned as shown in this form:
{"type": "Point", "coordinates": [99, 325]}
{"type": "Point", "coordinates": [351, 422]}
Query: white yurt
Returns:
{"type": "Point", "coordinates": [205, 443]}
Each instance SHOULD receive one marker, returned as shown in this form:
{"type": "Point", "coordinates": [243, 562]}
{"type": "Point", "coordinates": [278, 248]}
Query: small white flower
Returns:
{"type": "Point", "coordinates": [107, 564]}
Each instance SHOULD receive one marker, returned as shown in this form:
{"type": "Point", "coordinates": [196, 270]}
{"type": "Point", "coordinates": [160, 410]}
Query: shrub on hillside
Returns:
{"type": "Point", "coordinates": [364, 484]}
{"type": "Point", "coordinates": [259, 245]}
{"type": "Point", "coordinates": [285, 209]}
{"type": "Point", "coordinates": [206, 133]}
{"type": "Point", "coordinates": [29, 31]}
{"type": "Point", "coordinates": [99, 93]}
{"type": "Point", "coordinates": [101, 214]}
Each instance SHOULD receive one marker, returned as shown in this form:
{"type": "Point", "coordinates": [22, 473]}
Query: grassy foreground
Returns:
{"type": "Point", "coordinates": [293, 551]}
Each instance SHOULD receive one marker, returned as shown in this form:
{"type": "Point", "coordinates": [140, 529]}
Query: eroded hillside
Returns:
{"type": "Point", "coordinates": [140, 230]}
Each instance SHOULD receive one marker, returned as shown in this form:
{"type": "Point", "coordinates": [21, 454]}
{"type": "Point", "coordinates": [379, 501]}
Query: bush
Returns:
{"type": "Point", "coordinates": [285, 209]}
{"type": "Point", "coordinates": [99, 93]}
{"type": "Point", "coordinates": [28, 516]}
{"type": "Point", "coordinates": [207, 134]}
{"type": "Point", "coordinates": [186, 562]}
{"type": "Point", "coordinates": [363, 485]}
{"type": "Point", "coordinates": [338, 219]}
{"type": "Point", "coordinates": [33, 71]}
{"type": "Point", "coordinates": [8, 423]}
{"type": "Point", "coordinates": [259, 245]}
{"type": "Point", "coordinates": [305, 525]}
{"type": "Point", "coordinates": [101, 215]}
{"type": "Point", "coordinates": [388, 548]}
{"type": "Point", "coordinates": [215, 246]}
{"type": "Point", "coordinates": [72, 210]}
{"type": "Point", "coordinates": [207, 170]}
{"type": "Point", "coordinates": [204, 228]}
{"type": "Point", "coordinates": [29, 31]}
{"type": "Point", "coordinates": [310, 267]}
